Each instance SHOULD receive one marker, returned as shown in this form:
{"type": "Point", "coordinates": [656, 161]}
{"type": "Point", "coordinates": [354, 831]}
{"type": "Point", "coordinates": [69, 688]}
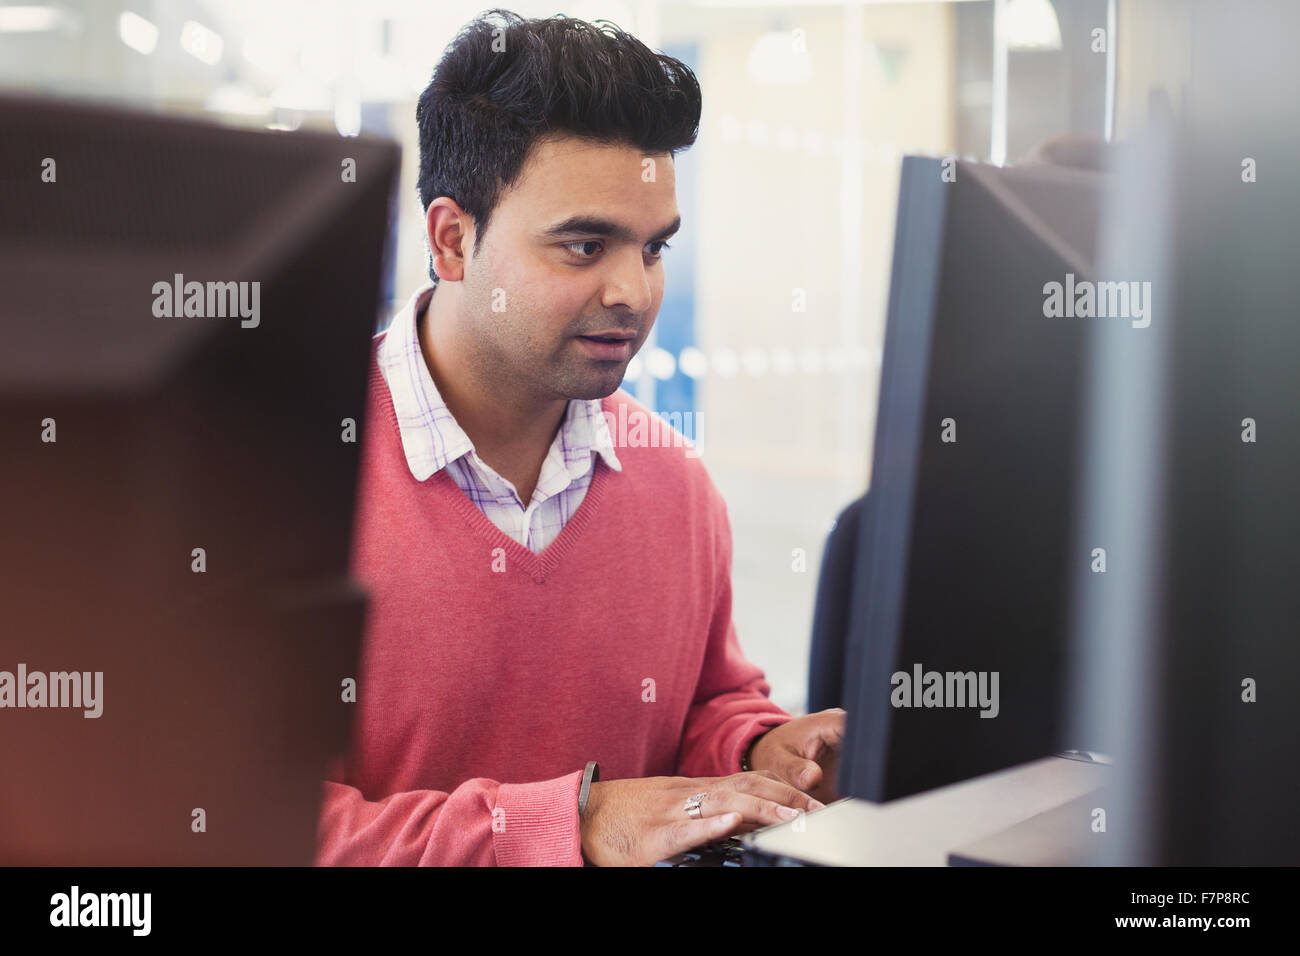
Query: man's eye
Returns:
{"type": "Point", "coordinates": [582, 243]}
{"type": "Point", "coordinates": [580, 248]}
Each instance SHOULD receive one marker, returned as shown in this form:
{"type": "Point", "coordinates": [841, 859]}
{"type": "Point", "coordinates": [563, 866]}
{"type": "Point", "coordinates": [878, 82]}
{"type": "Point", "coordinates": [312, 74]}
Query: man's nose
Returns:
{"type": "Point", "coordinates": [629, 285]}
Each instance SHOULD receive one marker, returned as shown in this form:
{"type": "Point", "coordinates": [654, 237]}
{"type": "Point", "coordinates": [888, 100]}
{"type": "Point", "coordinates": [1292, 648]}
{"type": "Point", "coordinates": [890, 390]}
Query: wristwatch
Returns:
{"type": "Point", "coordinates": [589, 776]}
{"type": "Point", "coordinates": [744, 758]}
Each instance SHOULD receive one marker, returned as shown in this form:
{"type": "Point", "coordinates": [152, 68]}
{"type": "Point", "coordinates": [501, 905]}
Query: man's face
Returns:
{"type": "Point", "coordinates": [573, 250]}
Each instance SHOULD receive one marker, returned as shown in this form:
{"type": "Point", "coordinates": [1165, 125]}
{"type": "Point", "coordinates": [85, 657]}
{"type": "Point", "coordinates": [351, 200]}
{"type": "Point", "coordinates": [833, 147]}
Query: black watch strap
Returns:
{"type": "Point", "coordinates": [744, 757]}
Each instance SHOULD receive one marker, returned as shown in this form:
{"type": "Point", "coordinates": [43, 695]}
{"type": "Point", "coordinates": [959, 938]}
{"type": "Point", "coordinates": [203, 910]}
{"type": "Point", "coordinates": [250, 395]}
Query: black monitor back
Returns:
{"type": "Point", "coordinates": [963, 557]}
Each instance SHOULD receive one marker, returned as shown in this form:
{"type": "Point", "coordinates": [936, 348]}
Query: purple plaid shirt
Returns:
{"type": "Point", "coordinates": [432, 440]}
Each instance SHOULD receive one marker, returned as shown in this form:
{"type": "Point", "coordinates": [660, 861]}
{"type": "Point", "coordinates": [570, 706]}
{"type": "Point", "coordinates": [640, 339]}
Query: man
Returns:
{"type": "Point", "coordinates": [545, 591]}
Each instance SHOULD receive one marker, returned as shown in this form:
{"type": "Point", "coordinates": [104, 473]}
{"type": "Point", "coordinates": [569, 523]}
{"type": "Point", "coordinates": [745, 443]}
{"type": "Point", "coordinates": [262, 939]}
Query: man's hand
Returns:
{"type": "Point", "coordinates": [640, 821]}
{"type": "Point", "coordinates": [804, 752]}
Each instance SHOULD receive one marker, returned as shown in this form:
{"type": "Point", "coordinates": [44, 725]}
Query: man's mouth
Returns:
{"type": "Point", "coordinates": [616, 336]}
{"type": "Point", "coordinates": [609, 346]}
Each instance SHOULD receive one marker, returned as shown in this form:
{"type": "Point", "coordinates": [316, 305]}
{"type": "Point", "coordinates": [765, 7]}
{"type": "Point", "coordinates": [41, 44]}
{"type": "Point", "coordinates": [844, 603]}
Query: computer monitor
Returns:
{"type": "Point", "coordinates": [958, 628]}
{"type": "Point", "coordinates": [187, 314]}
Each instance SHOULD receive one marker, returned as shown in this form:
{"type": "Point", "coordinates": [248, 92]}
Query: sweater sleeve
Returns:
{"type": "Point", "coordinates": [480, 823]}
{"type": "Point", "coordinates": [731, 706]}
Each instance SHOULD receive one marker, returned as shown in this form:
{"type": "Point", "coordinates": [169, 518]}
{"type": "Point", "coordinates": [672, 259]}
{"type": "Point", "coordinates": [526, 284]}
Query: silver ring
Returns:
{"type": "Point", "coordinates": [692, 806]}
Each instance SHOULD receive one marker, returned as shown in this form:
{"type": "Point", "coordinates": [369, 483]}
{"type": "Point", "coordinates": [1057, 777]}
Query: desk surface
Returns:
{"type": "Point", "coordinates": [921, 830]}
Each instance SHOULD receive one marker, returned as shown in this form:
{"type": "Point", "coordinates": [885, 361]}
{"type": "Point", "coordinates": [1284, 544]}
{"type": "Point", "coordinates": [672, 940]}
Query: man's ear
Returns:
{"type": "Point", "coordinates": [449, 230]}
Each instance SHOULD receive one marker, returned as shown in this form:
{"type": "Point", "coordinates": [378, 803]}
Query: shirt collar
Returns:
{"type": "Point", "coordinates": [431, 437]}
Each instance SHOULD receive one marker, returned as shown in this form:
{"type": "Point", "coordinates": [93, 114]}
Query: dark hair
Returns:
{"type": "Point", "coordinates": [484, 107]}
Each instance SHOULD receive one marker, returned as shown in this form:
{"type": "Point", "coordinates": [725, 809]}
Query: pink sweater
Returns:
{"type": "Point", "coordinates": [490, 675]}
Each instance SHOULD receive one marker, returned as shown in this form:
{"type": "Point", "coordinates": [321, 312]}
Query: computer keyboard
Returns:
{"type": "Point", "coordinates": [726, 852]}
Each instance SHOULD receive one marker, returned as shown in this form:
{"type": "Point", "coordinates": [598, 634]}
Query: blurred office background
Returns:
{"type": "Point", "coordinates": [773, 316]}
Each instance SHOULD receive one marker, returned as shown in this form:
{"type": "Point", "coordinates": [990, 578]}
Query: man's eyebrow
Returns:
{"type": "Point", "coordinates": [597, 226]}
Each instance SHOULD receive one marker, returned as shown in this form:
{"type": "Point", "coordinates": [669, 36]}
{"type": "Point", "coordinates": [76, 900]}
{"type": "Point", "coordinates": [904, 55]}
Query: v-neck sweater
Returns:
{"type": "Point", "coordinates": [490, 675]}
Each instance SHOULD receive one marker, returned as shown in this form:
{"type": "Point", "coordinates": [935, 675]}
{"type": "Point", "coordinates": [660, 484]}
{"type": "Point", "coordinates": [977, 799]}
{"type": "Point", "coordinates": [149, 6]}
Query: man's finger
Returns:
{"type": "Point", "coordinates": [795, 767]}
{"type": "Point", "coordinates": [827, 732]}
{"type": "Point", "coordinates": [682, 835]}
{"type": "Point", "coordinates": [752, 808]}
{"type": "Point", "coordinates": [770, 785]}
{"type": "Point", "coordinates": [805, 773]}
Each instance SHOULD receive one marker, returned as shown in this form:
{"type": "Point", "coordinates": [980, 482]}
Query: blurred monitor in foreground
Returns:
{"type": "Point", "coordinates": [187, 316]}
{"type": "Point", "coordinates": [1186, 665]}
